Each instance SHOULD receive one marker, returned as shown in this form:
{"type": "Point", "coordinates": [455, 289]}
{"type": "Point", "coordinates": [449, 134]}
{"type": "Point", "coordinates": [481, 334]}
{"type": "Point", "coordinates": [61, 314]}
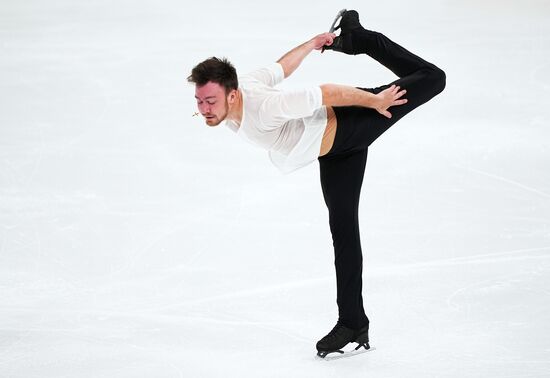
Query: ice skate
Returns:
{"type": "Point", "coordinates": [339, 337]}
{"type": "Point", "coordinates": [349, 21]}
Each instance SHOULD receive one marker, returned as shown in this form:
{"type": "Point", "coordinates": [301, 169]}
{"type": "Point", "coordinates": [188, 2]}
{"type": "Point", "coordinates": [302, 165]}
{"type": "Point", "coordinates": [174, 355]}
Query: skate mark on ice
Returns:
{"type": "Point", "coordinates": [519, 283]}
{"type": "Point", "coordinates": [487, 258]}
{"type": "Point", "coordinates": [249, 292]}
{"type": "Point", "coordinates": [506, 180]}
{"type": "Point", "coordinates": [154, 318]}
{"type": "Point", "coordinates": [239, 322]}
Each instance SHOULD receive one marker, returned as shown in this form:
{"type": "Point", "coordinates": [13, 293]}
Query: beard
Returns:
{"type": "Point", "coordinates": [216, 120]}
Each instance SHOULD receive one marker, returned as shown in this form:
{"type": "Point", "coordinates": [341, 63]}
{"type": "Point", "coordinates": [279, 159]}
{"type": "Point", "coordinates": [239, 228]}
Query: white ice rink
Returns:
{"type": "Point", "coordinates": [135, 241]}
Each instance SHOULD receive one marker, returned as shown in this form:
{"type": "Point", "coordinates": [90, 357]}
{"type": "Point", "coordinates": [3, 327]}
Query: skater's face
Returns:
{"type": "Point", "coordinates": [213, 102]}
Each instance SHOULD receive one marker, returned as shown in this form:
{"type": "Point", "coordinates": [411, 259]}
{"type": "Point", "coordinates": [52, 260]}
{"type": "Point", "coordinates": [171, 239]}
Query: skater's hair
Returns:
{"type": "Point", "coordinates": [216, 70]}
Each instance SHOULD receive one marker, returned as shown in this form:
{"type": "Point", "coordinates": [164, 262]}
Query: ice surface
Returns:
{"type": "Point", "coordinates": [137, 242]}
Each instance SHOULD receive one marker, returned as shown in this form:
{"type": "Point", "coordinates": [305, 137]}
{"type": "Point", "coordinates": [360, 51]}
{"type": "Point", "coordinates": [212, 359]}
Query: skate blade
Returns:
{"type": "Point", "coordinates": [336, 355]}
{"type": "Point", "coordinates": [338, 16]}
{"type": "Point", "coordinates": [333, 26]}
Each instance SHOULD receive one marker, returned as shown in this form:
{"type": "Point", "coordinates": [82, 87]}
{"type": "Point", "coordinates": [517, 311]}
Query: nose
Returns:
{"type": "Point", "coordinates": [204, 108]}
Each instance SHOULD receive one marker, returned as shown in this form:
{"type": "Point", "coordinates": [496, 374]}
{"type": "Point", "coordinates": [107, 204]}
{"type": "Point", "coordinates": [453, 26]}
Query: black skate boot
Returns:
{"type": "Point", "coordinates": [339, 337]}
{"type": "Point", "coordinates": [348, 23]}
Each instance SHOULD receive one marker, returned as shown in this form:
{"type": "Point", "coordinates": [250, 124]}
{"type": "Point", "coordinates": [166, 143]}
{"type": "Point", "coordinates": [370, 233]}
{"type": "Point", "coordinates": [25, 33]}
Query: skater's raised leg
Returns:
{"type": "Point", "coordinates": [355, 39]}
{"type": "Point", "coordinates": [358, 127]}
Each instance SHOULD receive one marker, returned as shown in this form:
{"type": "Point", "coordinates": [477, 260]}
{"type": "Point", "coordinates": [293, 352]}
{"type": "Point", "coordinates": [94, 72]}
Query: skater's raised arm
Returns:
{"type": "Point", "coordinates": [343, 95]}
{"type": "Point", "coordinates": [292, 59]}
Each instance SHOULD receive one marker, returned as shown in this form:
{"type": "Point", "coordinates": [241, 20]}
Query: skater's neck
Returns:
{"type": "Point", "coordinates": [235, 112]}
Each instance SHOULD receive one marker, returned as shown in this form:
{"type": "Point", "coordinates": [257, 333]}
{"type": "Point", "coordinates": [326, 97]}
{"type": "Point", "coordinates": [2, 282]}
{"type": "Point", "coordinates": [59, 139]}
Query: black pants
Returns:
{"type": "Point", "coordinates": [342, 169]}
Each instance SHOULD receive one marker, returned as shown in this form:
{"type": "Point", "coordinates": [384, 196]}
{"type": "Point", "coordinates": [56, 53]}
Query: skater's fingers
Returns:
{"type": "Point", "coordinates": [401, 94]}
{"type": "Point", "coordinates": [390, 90]}
{"type": "Point", "coordinates": [324, 39]}
{"type": "Point", "coordinates": [401, 102]}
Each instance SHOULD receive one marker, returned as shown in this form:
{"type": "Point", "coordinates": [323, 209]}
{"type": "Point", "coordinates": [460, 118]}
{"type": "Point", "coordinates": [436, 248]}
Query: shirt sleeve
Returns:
{"type": "Point", "coordinates": [270, 75]}
{"type": "Point", "coordinates": [292, 104]}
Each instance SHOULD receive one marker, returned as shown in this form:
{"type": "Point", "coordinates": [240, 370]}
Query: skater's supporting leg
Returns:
{"type": "Point", "coordinates": [341, 181]}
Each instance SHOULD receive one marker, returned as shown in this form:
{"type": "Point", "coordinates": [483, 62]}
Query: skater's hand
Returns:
{"type": "Point", "coordinates": [321, 40]}
{"type": "Point", "coordinates": [390, 97]}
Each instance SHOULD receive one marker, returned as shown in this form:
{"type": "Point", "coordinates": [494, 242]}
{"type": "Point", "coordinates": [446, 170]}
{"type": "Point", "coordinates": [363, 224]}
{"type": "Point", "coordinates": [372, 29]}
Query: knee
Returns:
{"type": "Point", "coordinates": [434, 79]}
{"type": "Point", "coordinates": [439, 79]}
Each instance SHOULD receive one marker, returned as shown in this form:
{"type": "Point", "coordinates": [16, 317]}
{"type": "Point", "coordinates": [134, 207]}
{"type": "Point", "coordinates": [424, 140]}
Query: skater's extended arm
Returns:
{"type": "Point", "coordinates": [343, 95]}
{"type": "Point", "coordinates": [292, 59]}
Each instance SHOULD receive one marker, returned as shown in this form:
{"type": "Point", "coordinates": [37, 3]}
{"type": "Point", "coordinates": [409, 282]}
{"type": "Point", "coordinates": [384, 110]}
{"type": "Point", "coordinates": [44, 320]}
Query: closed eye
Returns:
{"type": "Point", "coordinates": [208, 102]}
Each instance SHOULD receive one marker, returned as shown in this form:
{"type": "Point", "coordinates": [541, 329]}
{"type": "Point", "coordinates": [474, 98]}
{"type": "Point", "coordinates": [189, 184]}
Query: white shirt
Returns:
{"type": "Point", "coordinates": [288, 124]}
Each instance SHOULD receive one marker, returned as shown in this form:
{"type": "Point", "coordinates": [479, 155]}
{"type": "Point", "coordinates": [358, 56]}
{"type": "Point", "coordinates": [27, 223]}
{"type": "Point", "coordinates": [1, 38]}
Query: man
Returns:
{"type": "Point", "coordinates": [331, 123]}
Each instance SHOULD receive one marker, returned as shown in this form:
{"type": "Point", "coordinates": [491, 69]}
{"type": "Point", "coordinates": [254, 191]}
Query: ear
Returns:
{"type": "Point", "coordinates": [232, 96]}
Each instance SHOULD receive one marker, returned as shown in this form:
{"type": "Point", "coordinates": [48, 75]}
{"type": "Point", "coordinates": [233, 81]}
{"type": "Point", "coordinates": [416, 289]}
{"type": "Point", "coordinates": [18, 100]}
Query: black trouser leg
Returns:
{"type": "Point", "coordinates": [358, 127]}
{"type": "Point", "coordinates": [342, 169]}
{"type": "Point", "coordinates": [341, 181]}
{"type": "Point", "coordinates": [391, 55]}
